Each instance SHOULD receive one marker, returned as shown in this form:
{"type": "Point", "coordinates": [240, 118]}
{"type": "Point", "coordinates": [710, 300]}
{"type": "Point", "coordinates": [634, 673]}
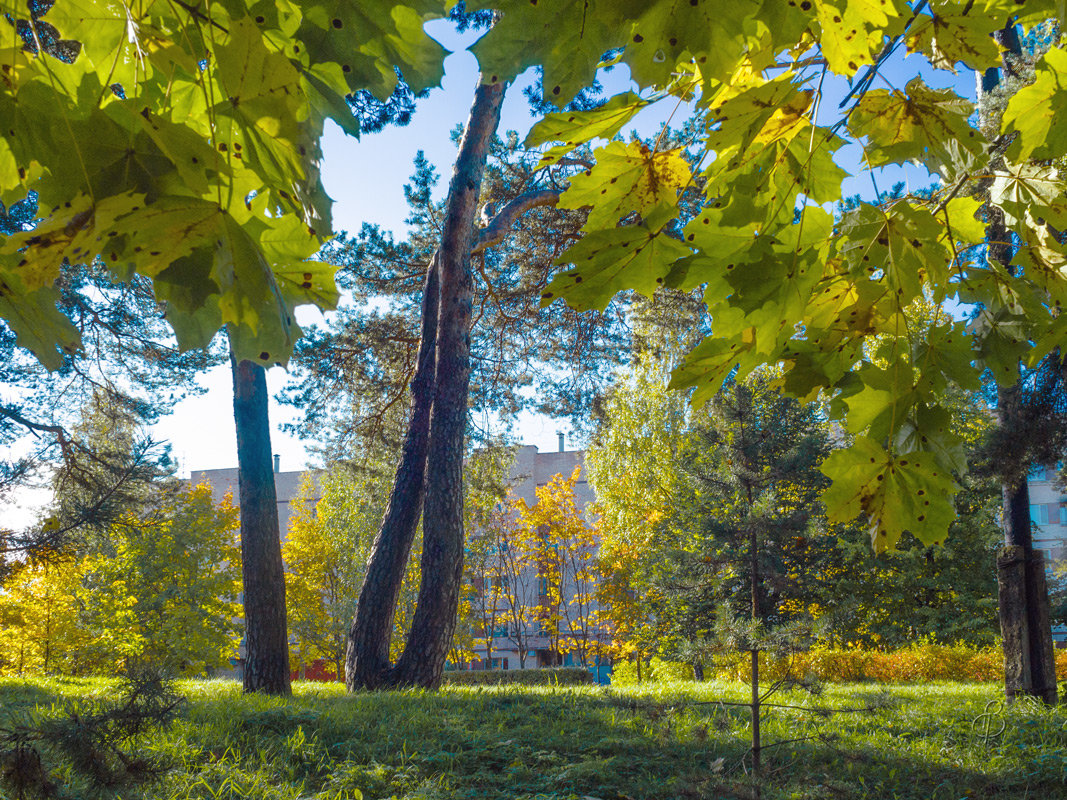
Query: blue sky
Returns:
{"type": "Point", "coordinates": [365, 178]}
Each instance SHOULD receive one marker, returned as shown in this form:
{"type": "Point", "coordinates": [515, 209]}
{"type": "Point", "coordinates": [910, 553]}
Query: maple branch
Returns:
{"type": "Point", "coordinates": [499, 225]}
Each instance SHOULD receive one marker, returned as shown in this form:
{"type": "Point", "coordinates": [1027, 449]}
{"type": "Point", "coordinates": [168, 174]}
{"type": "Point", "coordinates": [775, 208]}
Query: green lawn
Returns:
{"type": "Point", "coordinates": [661, 741]}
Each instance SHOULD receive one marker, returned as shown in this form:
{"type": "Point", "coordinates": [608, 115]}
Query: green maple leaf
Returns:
{"type": "Point", "coordinates": [249, 297]}
{"type": "Point", "coordinates": [187, 152]}
{"type": "Point", "coordinates": [38, 324]}
{"type": "Point", "coordinates": [74, 231]}
{"type": "Point", "coordinates": [263, 99]}
{"type": "Point", "coordinates": [190, 298]}
{"type": "Point", "coordinates": [708, 365]}
{"type": "Point", "coordinates": [960, 221]}
{"type": "Point", "coordinates": [931, 429]}
{"type": "Point", "coordinates": [115, 38]}
{"type": "Point", "coordinates": [150, 237]}
{"type": "Point", "coordinates": [568, 39]}
{"type": "Point", "coordinates": [627, 177]}
{"type": "Point", "coordinates": [901, 243]}
{"type": "Point", "coordinates": [607, 261]}
{"type": "Point", "coordinates": [1025, 187]}
{"type": "Point", "coordinates": [914, 124]}
{"type": "Point", "coordinates": [1039, 111]}
{"type": "Point", "coordinates": [944, 356]}
{"type": "Point", "coordinates": [665, 34]}
{"type": "Point", "coordinates": [898, 493]}
{"type": "Point", "coordinates": [9, 168]}
{"type": "Point", "coordinates": [1002, 340]}
{"type": "Point", "coordinates": [368, 38]}
{"type": "Point", "coordinates": [951, 34]}
{"type": "Point", "coordinates": [577, 127]}
{"type": "Point", "coordinates": [852, 32]}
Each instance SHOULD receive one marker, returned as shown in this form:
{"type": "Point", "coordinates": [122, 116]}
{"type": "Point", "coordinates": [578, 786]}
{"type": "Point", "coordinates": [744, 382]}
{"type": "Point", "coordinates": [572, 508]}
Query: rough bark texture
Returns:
{"type": "Point", "coordinates": [367, 656]}
{"type": "Point", "coordinates": [754, 579]}
{"type": "Point", "coordinates": [266, 639]}
{"type": "Point", "coordinates": [434, 620]}
{"type": "Point", "coordinates": [1011, 603]}
{"type": "Point", "coordinates": [1042, 654]}
{"type": "Point", "coordinates": [1023, 603]}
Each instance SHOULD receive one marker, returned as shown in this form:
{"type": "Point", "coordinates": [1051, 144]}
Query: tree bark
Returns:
{"type": "Point", "coordinates": [266, 637]}
{"type": "Point", "coordinates": [1023, 603]}
{"type": "Point", "coordinates": [367, 656]}
{"type": "Point", "coordinates": [753, 545]}
{"type": "Point", "coordinates": [434, 620]}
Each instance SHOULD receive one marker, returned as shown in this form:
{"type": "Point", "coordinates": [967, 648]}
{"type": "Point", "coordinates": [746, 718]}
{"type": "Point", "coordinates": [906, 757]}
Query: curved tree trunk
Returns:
{"type": "Point", "coordinates": [433, 624]}
{"type": "Point", "coordinates": [266, 637]}
{"type": "Point", "coordinates": [367, 657]}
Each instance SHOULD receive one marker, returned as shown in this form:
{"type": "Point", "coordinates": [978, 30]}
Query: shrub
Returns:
{"type": "Point", "coordinates": [549, 676]}
{"type": "Point", "coordinates": [657, 670]}
{"type": "Point", "coordinates": [918, 662]}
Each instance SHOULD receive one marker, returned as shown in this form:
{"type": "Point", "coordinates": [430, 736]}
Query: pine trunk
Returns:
{"type": "Point", "coordinates": [367, 656]}
{"type": "Point", "coordinates": [1023, 603]}
{"type": "Point", "coordinates": [266, 666]}
{"type": "Point", "coordinates": [433, 623]}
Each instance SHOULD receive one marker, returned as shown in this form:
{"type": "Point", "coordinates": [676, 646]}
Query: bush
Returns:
{"type": "Point", "coordinates": [549, 676]}
{"type": "Point", "coordinates": [624, 673]}
{"type": "Point", "coordinates": [919, 662]}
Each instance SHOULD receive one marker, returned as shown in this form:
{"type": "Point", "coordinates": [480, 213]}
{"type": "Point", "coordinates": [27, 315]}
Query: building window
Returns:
{"type": "Point", "coordinates": [1039, 514]}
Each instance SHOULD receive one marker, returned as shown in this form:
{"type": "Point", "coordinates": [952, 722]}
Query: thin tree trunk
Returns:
{"type": "Point", "coordinates": [434, 620]}
{"type": "Point", "coordinates": [266, 639]}
{"type": "Point", "coordinates": [367, 656]}
{"type": "Point", "coordinates": [754, 586]}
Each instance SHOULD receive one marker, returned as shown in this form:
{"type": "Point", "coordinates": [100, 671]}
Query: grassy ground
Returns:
{"type": "Point", "coordinates": [661, 741]}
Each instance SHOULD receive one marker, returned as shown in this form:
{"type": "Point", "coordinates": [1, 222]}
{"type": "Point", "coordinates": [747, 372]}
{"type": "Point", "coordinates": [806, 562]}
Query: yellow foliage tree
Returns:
{"type": "Point", "coordinates": [39, 634]}
{"type": "Point", "coordinates": [565, 548]}
{"type": "Point", "coordinates": [326, 554]}
{"type": "Point", "coordinates": [160, 586]}
{"type": "Point", "coordinates": [165, 587]}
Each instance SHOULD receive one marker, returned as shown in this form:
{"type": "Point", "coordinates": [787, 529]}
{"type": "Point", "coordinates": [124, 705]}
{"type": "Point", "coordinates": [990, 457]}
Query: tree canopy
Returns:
{"type": "Point", "coordinates": [180, 142]}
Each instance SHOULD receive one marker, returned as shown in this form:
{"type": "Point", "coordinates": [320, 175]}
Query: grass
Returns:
{"type": "Point", "coordinates": [655, 741]}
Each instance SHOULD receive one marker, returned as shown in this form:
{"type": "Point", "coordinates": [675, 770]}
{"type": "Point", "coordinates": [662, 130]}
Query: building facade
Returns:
{"type": "Point", "coordinates": [531, 470]}
{"type": "Point", "coordinates": [546, 638]}
{"type": "Point", "coordinates": [286, 486]}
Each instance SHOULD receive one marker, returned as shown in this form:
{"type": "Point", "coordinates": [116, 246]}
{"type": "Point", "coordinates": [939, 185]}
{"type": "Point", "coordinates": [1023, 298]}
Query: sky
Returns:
{"type": "Point", "coordinates": [365, 178]}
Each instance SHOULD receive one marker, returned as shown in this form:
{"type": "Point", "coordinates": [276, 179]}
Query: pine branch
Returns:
{"type": "Point", "coordinates": [501, 223]}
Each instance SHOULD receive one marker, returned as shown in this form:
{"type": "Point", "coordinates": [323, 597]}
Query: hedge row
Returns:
{"type": "Point", "coordinates": [549, 676]}
{"type": "Point", "coordinates": [919, 662]}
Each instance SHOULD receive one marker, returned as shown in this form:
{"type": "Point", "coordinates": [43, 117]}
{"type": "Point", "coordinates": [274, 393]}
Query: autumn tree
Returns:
{"type": "Point", "coordinates": [159, 586]}
{"type": "Point", "coordinates": [563, 545]}
{"type": "Point", "coordinates": [325, 555]}
{"type": "Point", "coordinates": [163, 589]}
{"type": "Point", "coordinates": [39, 631]}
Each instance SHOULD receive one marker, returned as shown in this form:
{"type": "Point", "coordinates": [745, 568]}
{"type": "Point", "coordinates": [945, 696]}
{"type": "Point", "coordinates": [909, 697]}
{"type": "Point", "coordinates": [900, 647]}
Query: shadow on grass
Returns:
{"type": "Point", "coordinates": [19, 695]}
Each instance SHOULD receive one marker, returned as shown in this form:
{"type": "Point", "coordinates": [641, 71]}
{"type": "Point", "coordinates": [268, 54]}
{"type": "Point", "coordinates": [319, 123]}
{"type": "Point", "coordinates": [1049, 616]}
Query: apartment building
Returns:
{"type": "Point", "coordinates": [286, 486]}
{"type": "Point", "coordinates": [532, 469]}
